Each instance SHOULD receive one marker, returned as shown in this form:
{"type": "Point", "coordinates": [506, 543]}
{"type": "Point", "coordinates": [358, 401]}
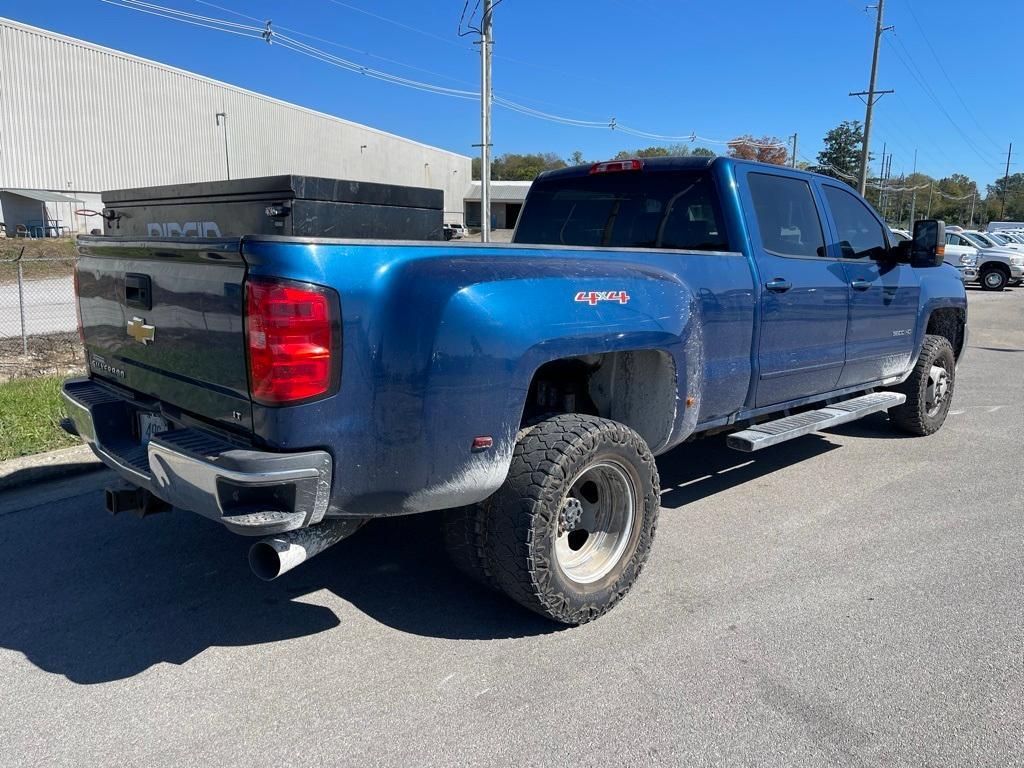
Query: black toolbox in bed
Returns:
{"type": "Point", "coordinates": [300, 206]}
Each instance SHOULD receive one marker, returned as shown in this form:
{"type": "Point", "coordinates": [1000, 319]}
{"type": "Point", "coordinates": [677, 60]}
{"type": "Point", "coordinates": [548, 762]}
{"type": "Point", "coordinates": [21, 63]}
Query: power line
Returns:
{"type": "Point", "coordinates": [342, 46]}
{"type": "Point", "coordinates": [921, 80]}
{"type": "Point", "coordinates": [447, 41]}
{"type": "Point", "coordinates": [286, 41]}
{"type": "Point", "coordinates": [942, 68]}
{"type": "Point", "coordinates": [915, 72]}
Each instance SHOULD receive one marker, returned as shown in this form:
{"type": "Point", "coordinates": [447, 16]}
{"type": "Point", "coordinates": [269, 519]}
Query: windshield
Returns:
{"type": "Point", "coordinates": [625, 209]}
{"type": "Point", "coordinates": [975, 240]}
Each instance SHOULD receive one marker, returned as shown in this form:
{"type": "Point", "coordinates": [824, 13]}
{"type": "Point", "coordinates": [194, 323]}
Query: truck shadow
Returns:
{"type": "Point", "coordinates": [98, 599]}
{"type": "Point", "coordinates": [703, 468]}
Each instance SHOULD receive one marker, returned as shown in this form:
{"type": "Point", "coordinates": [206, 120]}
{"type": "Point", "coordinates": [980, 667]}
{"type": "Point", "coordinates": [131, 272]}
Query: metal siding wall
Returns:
{"type": "Point", "coordinates": [81, 118]}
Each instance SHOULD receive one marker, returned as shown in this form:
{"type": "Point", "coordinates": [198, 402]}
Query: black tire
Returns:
{"type": "Point", "coordinates": [994, 278]}
{"type": "Point", "coordinates": [464, 533]}
{"type": "Point", "coordinates": [526, 517]}
{"type": "Point", "coordinates": [918, 415]}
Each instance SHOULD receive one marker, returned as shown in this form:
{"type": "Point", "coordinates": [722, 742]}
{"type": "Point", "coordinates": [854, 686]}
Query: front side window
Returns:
{"type": "Point", "coordinates": [786, 215]}
{"type": "Point", "coordinates": [626, 209]}
{"type": "Point", "coordinates": [974, 241]}
{"type": "Point", "coordinates": [860, 233]}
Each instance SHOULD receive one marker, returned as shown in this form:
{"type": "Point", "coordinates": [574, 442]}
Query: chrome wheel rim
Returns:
{"type": "Point", "coordinates": [993, 279]}
{"type": "Point", "coordinates": [595, 521]}
{"type": "Point", "coordinates": [937, 390]}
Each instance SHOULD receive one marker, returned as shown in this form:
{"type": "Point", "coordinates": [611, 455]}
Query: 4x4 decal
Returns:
{"type": "Point", "coordinates": [592, 297]}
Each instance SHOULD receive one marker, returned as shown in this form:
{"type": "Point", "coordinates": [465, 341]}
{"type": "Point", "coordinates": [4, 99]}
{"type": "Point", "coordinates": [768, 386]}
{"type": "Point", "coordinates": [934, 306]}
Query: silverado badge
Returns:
{"type": "Point", "coordinates": [141, 332]}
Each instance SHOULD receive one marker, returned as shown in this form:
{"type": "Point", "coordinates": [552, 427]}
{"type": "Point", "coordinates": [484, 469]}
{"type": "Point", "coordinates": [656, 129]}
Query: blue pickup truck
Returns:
{"type": "Point", "coordinates": [293, 388]}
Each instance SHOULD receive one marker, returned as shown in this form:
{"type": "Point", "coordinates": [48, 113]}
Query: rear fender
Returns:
{"type": "Point", "coordinates": [463, 369]}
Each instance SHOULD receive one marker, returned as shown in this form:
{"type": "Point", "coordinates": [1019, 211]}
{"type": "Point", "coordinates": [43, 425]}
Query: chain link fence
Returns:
{"type": "Point", "coordinates": [38, 324]}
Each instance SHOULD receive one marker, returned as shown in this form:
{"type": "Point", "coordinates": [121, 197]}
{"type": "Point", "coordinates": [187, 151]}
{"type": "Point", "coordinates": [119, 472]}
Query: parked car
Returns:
{"type": "Point", "coordinates": [1008, 240]}
{"type": "Point", "coordinates": [998, 226]}
{"type": "Point", "coordinates": [996, 240]}
{"type": "Point", "coordinates": [295, 387]}
{"type": "Point", "coordinates": [454, 231]}
{"type": "Point", "coordinates": [997, 266]}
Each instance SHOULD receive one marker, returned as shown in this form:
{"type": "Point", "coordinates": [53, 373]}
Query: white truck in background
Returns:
{"type": "Point", "coordinates": [997, 267]}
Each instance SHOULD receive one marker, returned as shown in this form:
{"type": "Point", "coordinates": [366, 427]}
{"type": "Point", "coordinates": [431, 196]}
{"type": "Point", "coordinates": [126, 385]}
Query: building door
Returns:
{"type": "Point", "coordinates": [512, 211]}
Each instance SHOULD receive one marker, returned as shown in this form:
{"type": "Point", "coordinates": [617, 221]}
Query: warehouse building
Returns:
{"type": "Point", "coordinates": [507, 198]}
{"type": "Point", "coordinates": [163, 125]}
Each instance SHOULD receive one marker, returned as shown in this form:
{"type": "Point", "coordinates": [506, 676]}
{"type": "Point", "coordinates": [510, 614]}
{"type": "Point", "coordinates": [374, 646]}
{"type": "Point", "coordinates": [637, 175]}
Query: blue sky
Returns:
{"type": "Point", "coordinates": [670, 67]}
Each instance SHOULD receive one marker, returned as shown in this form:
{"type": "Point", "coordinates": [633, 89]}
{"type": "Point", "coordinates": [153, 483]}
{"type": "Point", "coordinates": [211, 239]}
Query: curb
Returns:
{"type": "Point", "coordinates": [52, 465]}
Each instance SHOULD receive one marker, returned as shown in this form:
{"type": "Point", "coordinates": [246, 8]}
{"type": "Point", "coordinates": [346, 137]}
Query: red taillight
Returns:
{"type": "Point", "coordinates": [613, 166]}
{"type": "Point", "coordinates": [291, 332]}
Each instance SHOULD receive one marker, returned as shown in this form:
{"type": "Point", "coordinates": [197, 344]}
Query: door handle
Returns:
{"type": "Point", "coordinates": [860, 285]}
{"type": "Point", "coordinates": [778, 285]}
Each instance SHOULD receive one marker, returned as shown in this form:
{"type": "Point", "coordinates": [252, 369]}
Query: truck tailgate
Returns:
{"type": "Point", "coordinates": [165, 319]}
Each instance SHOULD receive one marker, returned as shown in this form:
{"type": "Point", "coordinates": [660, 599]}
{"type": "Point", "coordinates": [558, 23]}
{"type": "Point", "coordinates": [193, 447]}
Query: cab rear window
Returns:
{"type": "Point", "coordinates": [678, 210]}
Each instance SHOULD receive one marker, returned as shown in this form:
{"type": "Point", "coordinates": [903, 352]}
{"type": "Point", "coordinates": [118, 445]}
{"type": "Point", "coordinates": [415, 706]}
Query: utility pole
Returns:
{"type": "Point", "coordinates": [881, 174]}
{"type": "Point", "coordinates": [913, 195]}
{"type": "Point", "coordinates": [792, 161]}
{"type": "Point", "coordinates": [974, 196]}
{"type": "Point", "coordinates": [931, 184]}
{"type": "Point", "coordinates": [222, 119]}
{"type": "Point", "coordinates": [1006, 182]}
{"type": "Point", "coordinates": [485, 123]}
{"type": "Point", "coordinates": [872, 96]}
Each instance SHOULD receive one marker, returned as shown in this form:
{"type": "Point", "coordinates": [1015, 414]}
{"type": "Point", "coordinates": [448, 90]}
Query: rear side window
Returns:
{"type": "Point", "coordinates": [860, 233]}
{"type": "Point", "coordinates": [630, 209]}
{"type": "Point", "coordinates": [786, 215]}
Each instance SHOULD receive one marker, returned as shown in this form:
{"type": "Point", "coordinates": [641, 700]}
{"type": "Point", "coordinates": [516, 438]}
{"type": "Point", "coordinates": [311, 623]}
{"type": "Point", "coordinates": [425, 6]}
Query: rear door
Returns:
{"type": "Point", "coordinates": [884, 295]}
{"type": "Point", "coordinates": [165, 319]}
{"type": "Point", "coordinates": [804, 292]}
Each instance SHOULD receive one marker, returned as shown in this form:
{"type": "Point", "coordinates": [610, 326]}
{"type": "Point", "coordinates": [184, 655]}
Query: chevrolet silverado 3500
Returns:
{"type": "Point", "coordinates": [293, 387]}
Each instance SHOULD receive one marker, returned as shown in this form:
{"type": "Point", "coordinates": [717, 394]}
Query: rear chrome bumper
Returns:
{"type": "Point", "coordinates": [254, 493]}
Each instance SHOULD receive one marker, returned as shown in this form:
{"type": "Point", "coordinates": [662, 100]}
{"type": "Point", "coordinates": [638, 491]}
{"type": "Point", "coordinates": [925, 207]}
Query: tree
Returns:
{"type": "Point", "coordinates": [515, 167]}
{"type": "Point", "coordinates": [673, 150]}
{"type": "Point", "coordinates": [702, 152]}
{"type": "Point", "coordinates": [840, 157]}
{"type": "Point", "coordinates": [767, 149]}
{"type": "Point", "coordinates": [1014, 208]}
{"type": "Point", "coordinates": [576, 158]}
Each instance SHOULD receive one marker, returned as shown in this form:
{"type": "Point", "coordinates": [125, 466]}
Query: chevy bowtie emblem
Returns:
{"type": "Point", "coordinates": [139, 331]}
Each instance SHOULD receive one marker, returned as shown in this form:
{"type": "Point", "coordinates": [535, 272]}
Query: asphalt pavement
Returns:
{"type": "Point", "coordinates": [846, 599]}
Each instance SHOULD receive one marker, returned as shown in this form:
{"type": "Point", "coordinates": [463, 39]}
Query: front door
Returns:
{"type": "Point", "coordinates": [884, 295]}
{"type": "Point", "coordinates": [804, 291]}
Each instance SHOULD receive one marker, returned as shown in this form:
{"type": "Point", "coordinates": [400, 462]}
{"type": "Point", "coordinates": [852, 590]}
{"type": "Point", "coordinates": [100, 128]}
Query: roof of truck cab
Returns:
{"type": "Point", "coordinates": [686, 163]}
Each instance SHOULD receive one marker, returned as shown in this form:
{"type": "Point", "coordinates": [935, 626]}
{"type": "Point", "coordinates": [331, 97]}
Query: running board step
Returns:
{"type": "Point", "coordinates": [773, 432]}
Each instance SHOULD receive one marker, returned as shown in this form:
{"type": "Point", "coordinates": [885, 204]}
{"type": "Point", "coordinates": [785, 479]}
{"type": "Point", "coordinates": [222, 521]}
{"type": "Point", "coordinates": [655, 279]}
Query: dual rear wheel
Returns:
{"type": "Point", "coordinates": [570, 530]}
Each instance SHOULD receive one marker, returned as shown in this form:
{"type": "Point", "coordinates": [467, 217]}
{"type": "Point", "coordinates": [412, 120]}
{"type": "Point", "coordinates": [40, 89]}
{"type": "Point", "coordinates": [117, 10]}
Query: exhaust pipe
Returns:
{"type": "Point", "coordinates": [274, 555]}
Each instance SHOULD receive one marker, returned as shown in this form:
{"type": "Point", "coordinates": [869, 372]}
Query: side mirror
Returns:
{"type": "Point", "coordinates": [929, 244]}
